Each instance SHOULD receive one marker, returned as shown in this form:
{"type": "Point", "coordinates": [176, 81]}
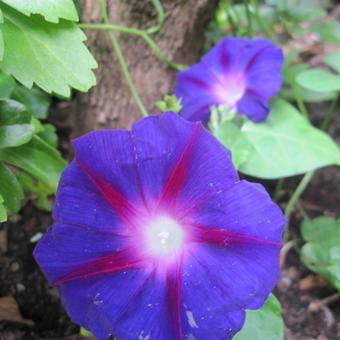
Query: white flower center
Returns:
{"type": "Point", "coordinates": [230, 89]}
{"type": "Point", "coordinates": [164, 236]}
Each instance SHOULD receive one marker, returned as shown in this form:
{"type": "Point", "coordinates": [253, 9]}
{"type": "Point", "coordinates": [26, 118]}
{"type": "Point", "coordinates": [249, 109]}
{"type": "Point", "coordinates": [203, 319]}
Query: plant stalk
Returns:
{"type": "Point", "coordinates": [160, 17]}
{"type": "Point", "coordinates": [122, 61]}
{"type": "Point", "coordinates": [133, 31]}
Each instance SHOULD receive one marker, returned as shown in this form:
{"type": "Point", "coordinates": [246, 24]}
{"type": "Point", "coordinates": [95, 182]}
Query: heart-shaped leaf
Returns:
{"type": "Point", "coordinates": [321, 253]}
{"type": "Point", "coordinates": [283, 145]}
{"type": "Point", "coordinates": [319, 80]}
{"type": "Point", "coordinates": [265, 323]}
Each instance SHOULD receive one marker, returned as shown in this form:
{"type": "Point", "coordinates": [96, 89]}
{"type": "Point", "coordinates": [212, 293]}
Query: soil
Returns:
{"type": "Point", "coordinates": [298, 290]}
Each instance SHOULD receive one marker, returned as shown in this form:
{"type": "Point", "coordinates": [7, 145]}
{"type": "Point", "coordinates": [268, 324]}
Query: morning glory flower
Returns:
{"type": "Point", "coordinates": [156, 237]}
{"type": "Point", "coordinates": [239, 73]}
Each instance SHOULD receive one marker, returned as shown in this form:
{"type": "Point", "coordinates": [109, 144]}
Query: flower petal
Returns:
{"type": "Point", "coordinates": [246, 209]}
{"type": "Point", "coordinates": [129, 305]}
{"type": "Point", "coordinates": [109, 156]}
{"type": "Point", "coordinates": [219, 283]}
{"type": "Point", "coordinates": [253, 107]}
{"type": "Point", "coordinates": [98, 303]}
{"type": "Point", "coordinates": [198, 109]}
{"type": "Point", "coordinates": [179, 161]}
{"type": "Point", "coordinates": [65, 248]}
{"type": "Point", "coordinates": [235, 55]}
{"type": "Point", "coordinates": [233, 69]}
{"type": "Point", "coordinates": [79, 202]}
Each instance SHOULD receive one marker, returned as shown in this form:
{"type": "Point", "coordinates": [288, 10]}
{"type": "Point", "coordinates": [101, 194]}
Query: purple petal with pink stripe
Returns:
{"type": "Point", "coordinates": [156, 237]}
{"type": "Point", "coordinates": [240, 73]}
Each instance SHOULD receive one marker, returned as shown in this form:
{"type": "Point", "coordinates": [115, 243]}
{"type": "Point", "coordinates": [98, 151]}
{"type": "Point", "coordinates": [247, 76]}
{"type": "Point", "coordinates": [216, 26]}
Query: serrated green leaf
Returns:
{"type": "Point", "coordinates": [53, 56]}
{"type": "Point", "coordinates": [37, 158]}
{"type": "Point", "coordinates": [333, 60]}
{"type": "Point", "coordinates": [52, 10]}
{"type": "Point", "coordinates": [265, 323]}
{"type": "Point", "coordinates": [35, 100]}
{"type": "Point", "coordinates": [321, 253]}
{"type": "Point", "coordinates": [3, 213]}
{"type": "Point", "coordinates": [283, 145]}
{"type": "Point", "coordinates": [10, 189]}
{"type": "Point", "coordinates": [7, 85]}
{"type": "Point", "coordinates": [319, 80]}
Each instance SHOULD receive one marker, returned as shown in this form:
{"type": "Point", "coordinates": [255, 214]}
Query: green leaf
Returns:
{"type": "Point", "coordinates": [37, 158]}
{"type": "Point", "coordinates": [15, 130]}
{"type": "Point", "coordinates": [3, 213]}
{"type": "Point", "coordinates": [10, 190]}
{"type": "Point", "coordinates": [319, 80]}
{"type": "Point", "coordinates": [329, 31]}
{"type": "Point", "coordinates": [265, 323]}
{"type": "Point", "coordinates": [51, 55]}
{"type": "Point", "coordinates": [35, 100]}
{"type": "Point", "coordinates": [290, 72]}
{"type": "Point", "coordinates": [321, 253]}
{"type": "Point", "coordinates": [7, 85]}
{"type": "Point", "coordinates": [283, 145]}
{"type": "Point", "coordinates": [52, 10]}
{"type": "Point", "coordinates": [13, 112]}
{"type": "Point", "coordinates": [38, 126]}
{"type": "Point", "coordinates": [15, 135]}
{"type": "Point", "coordinates": [299, 10]}
{"type": "Point", "coordinates": [2, 47]}
{"type": "Point", "coordinates": [333, 60]}
{"type": "Point", "coordinates": [39, 190]}
{"type": "Point", "coordinates": [85, 332]}
{"type": "Point", "coordinates": [49, 135]}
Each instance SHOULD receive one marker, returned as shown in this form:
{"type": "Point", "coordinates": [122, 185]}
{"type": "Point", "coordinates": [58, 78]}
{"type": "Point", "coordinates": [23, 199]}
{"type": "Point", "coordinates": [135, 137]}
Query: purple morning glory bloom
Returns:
{"type": "Point", "coordinates": [240, 73]}
{"type": "Point", "coordinates": [156, 237]}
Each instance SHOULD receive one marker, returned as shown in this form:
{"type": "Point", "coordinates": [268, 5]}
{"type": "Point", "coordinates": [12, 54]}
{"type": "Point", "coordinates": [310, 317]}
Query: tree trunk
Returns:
{"type": "Point", "coordinates": [109, 104]}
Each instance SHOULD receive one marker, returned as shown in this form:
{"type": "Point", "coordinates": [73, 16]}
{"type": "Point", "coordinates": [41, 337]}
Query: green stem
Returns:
{"type": "Point", "coordinates": [133, 31]}
{"type": "Point", "coordinates": [160, 17]}
{"type": "Point", "coordinates": [231, 23]}
{"type": "Point", "coordinates": [301, 210]}
{"type": "Point", "coordinates": [122, 62]}
{"type": "Point", "coordinates": [263, 25]}
{"type": "Point", "coordinates": [278, 189]}
{"type": "Point", "coordinates": [294, 199]}
{"type": "Point", "coordinates": [298, 97]}
{"type": "Point", "coordinates": [329, 114]}
{"type": "Point", "coordinates": [297, 193]}
{"type": "Point", "coordinates": [250, 31]}
{"type": "Point", "coordinates": [309, 175]}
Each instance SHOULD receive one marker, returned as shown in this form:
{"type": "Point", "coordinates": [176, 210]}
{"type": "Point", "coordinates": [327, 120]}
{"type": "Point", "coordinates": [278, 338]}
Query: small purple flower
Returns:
{"type": "Point", "coordinates": [156, 237]}
{"type": "Point", "coordinates": [240, 73]}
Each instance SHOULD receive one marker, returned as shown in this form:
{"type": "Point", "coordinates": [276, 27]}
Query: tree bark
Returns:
{"type": "Point", "coordinates": [110, 104]}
